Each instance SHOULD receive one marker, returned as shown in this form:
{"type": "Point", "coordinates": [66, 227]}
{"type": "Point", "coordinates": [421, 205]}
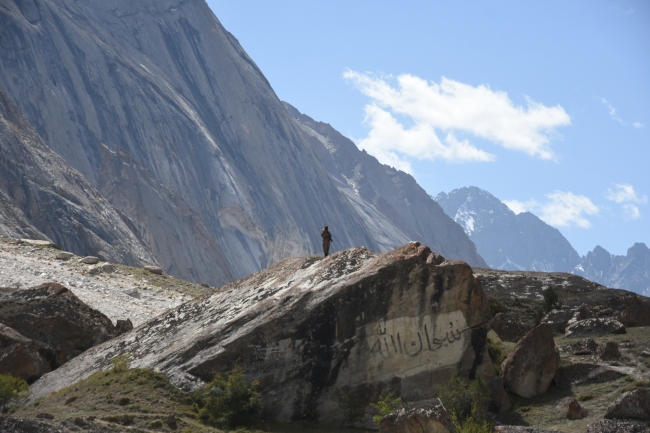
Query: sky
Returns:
{"type": "Point", "coordinates": [546, 105]}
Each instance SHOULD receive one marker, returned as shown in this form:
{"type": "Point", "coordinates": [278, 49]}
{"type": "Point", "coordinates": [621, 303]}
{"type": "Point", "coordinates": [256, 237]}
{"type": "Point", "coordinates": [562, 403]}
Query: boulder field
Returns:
{"type": "Point", "coordinates": [317, 332]}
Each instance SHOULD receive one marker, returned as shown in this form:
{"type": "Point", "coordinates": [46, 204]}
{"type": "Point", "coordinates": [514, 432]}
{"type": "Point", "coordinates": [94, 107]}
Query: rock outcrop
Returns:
{"type": "Point", "coordinates": [633, 404]}
{"type": "Point", "coordinates": [616, 426]}
{"type": "Point", "coordinates": [314, 331]}
{"type": "Point", "coordinates": [597, 326]}
{"type": "Point", "coordinates": [52, 315]}
{"type": "Point", "coordinates": [531, 365]}
{"type": "Point", "coordinates": [586, 346]}
{"type": "Point", "coordinates": [427, 416]}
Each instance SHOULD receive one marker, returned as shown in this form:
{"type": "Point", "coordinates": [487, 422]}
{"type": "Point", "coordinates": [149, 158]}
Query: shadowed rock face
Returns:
{"type": "Point", "coordinates": [42, 197]}
{"type": "Point", "coordinates": [316, 331]}
{"type": "Point", "coordinates": [166, 83]}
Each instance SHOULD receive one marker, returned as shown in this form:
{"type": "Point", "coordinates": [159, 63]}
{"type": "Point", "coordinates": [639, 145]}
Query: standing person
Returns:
{"type": "Point", "coordinates": [327, 239]}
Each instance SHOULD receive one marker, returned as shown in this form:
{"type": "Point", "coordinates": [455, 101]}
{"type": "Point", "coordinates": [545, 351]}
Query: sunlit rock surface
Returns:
{"type": "Point", "coordinates": [317, 331]}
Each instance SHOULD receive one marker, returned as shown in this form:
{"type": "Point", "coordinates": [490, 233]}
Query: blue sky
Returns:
{"type": "Point", "coordinates": [544, 104]}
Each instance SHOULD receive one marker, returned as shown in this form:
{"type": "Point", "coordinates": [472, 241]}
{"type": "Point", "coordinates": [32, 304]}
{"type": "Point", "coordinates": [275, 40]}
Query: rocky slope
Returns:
{"type": "Point", "coordinates": [393, 206]}
{"type": "Point", "coordinates": [42, 197]}
{"type": "Point", "coordinates": [630, 272]}
{"type": "Point", "coordinates": [507, 240]}
{"type": "Point", "coordinates": [315, 332]}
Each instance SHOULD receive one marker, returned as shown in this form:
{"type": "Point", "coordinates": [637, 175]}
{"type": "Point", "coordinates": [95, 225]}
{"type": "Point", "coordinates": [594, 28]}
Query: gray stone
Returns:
{"type": "Point", "coordinates": [633, 404]}
{"type": "Point", "coordinates": [89, 260]}
{"type": "Point", "coordinates": [133, 292]}
{"type": "Point", "coordinates": [428, 416]}
{"type": "Point", "coordinates": [107, 268]}
{"type": "Point", "coordinates": [574, 410]}
{"type": "Point", "coordinates": [521, 429]}
{"type": "Point", "coordinates": [595, 326]}
{"type": "Point", "coordinates": [560, 319]}
{"type": "Point", "coordinates": [530, 367]}
{"type": "Point", "coordinates": [154, 269]}
{"type": "Point", "coordinates": [586, 346]}
{"type": "Point", "coordinates": [37, 242]}
{"type": "Point", "coordinates": [64, 255]}
{"type": "Point", "coordinates": [312, 330]}
{"type": "Point", "coordinates": [608, 351]}
{"type": "Point", "coordinates": [92, 270]}
{"type": "Point", "coordinates": [616, 426]}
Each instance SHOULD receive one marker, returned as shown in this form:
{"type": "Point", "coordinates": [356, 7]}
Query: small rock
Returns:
{"type": "Point", "coordinates": [530, 367]}
{"type": "Point", "coordinates": [80, 422]}
{"type": "Point", "coordinates": [586, 346]}
{"type": "Point", "coordinates": [427, 416]}
{"type": "Point", "coordinates": [595, 326]}
{"type": "Point", "coordinates": [89, 260]}
{"type": "Point", "coordinates": [508, 328]}
{"type": "Point", "coordinates": [123, 326]}
{"type": "Point", "coordinates": [646, 353]}
{"type": "Point", "coordinates": [45, 415]}
{"type": "Point", "coordinates": [633, 404]}
{"type": "Point", "coordinates": [608, 352]}
{"type": "Point", "coordinates": [574, 410]}
{"type": "Point", "coordinates": [154, 269]}
{"type": "Point", "coordinates": [108, 268]}
{"type": "Point", "coordinates": [94, 270]}
{"type": "Point", "coordinates": [37, 243]}
{"type": "Point", "coordinates": [616, 426]}
{"type": "Point", "coordinates": [171, 421]}
{"type": "Point", "coordinates": [64, 255]}
{"type": "Point", "coordinates": [205, 285]}
{"type": "Point", "coordinates": [133, 293]}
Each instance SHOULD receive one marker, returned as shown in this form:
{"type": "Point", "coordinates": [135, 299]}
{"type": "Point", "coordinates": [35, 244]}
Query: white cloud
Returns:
{"type": "Point", "coordinates": [612, 110]}
{"type": "Point", "coordinates": [561, 209]}
{"type": "Point", "coordinates": [565, 209]}
{"type": "Point", "coordinates": [521, 206]}
{"type": "Point", "coordinates": [637, 125]}
{"type": "Point", "coordinates": [624, 193]}
{"type": "Point", "coordinates": [433, 109]}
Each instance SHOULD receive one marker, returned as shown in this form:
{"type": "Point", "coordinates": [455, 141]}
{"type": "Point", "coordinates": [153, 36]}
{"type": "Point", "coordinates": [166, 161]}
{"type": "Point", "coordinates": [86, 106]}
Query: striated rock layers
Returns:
{"type": "Point", "coordinates": [163, 112]}
{"type": "Point", "coordinates": [317, 332]}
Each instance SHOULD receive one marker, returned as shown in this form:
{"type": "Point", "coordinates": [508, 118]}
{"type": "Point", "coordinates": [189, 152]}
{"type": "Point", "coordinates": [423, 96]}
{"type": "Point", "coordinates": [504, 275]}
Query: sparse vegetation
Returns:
{"type": "Point", "coordinates": [551, 299]}
{"type": "Point", "coordinates": [121, 363]}
{"type": "Point", "coordinates": [466, 403]}
{"type": "Point", "coordinates": [496, 306]}
{"type": "Point", "coordinates": [228, 400]}
{"type": "Point", "coordinates": [387, 405]}
{"type": "Point", "coordinates": [585, 397]}
{"type": "Point", "coordinates": [497, 352]}
{"type": "Point", "coordinates": [12, 389]}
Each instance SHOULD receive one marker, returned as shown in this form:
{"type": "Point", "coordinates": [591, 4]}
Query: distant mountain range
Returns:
{"type": "Point", "coordinates": [522, 241]}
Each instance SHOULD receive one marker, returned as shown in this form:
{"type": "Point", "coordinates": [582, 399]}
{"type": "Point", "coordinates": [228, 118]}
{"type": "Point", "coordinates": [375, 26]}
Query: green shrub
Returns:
{"type": "Point", "coordinates": [539, 315]}
{"type": "Point", "coordinates": [454, 395]}
{"type": "Point", "coordinates": [496, 306]}
{"type": "Point", "coordinates": [387, 405]}
{"type": "Point", "coordinates": [551, 299]}
{"type": "Point", "coordinates": [121, 362]}
{"type": "Point", "coordinates": [497, 353]}
{"type": "Point", "coordinates": [227, 400]}
{"type": "Point", "coordinates": [11, 389]}
{"type": "Point", "coordinates": [466, 403]}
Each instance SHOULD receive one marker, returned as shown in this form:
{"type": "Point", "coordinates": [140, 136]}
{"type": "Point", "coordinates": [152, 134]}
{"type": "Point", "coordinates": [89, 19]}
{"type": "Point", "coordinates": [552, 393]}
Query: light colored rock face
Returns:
{"type": "Point", "coordinates": [427, 416]}
{"type": "Point", "coordinates": [314, 331]}
{"type": "Point", "coordinates": [394, 207]}
{"type": "Point", "coordinates": [530, 367]}
{"type": "Point", "coordinates": [595, 326]}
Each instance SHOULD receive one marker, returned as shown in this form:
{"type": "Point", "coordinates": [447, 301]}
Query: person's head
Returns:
{"type": "Point", "coordinates": [326, 227]}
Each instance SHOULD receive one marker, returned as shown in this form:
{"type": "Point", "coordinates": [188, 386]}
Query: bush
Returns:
{"type": "Point", "coordinates": [121, 362]}
{"type": "Point", "coordinates": [353, 407]}
{"type": "Point", "coordinates": [387, 405]}
{"type": "Point", "coordinates": [11, 389]}
{"type": "Point", "coordinates": [496, 306]}
{"type": "Point", "coordinates": [228, 400]}
{"type": "Point", "coordinates": [497, 353]}
{"type": "Point", "coordinates": [551, 299]}
{"type": "Point", "coordinates": [467, 403]}
{"type": "Point", "coordinates": [539, 315]}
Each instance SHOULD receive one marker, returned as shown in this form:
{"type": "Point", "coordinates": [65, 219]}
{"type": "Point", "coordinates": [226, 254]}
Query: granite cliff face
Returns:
{"type": "Point", "coordinates": [629, 272]}
{"type": "Point", "coordinates": [163, 84]}
{"type": "Point", "coordinates": [393, 206]}
{"type": "Point", "coordinates": [504, 239]}
{"type": "Point", "coordinates": [354, 325]}
{"type": "Point", "coordinates": [41, 197]}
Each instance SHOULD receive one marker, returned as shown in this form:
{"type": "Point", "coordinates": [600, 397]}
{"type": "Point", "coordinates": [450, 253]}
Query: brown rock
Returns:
{"type": "Point", "coordinates": [608, 351]}
{"type": "Point", "coordinates": [53, 315]}
{"type": "Point", "coordinates": [64, 255]}
{"type": "Point", "coordinates": [633, 404]}
{"type": "Point", "coordinates": [627, 309]}
{"type": "Point", "coordinates": [23, 361]}
{"type": "Point", "coordinates": [428, 416]}
{"type": "Point", "coordinates": [107, 268]}
{"type": "Point", "coordinates": [499, 400]}
{"type": "Point", "coordinates": [574, 410]}
{"type": "Point", "coordinates": [595, 326]}
{"type": "Point", "coordinates": [154, 269]}
{"type": "Point", "coordinates": [45, 415]}
{"type": "Point", "coordinates": [616, 426]}
{"type": "Point", "coordinates": [508, 328]}
{"type": "Point", "coordinates": [530, 367]}
{"type": "Point", "coordinates": [586, 346]}
{"type": "Point", "coordinates": [123, 326]}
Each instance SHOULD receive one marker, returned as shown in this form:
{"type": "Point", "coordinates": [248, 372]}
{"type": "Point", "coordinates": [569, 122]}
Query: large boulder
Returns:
{"type": "Point", "coordinates": [427, 416]}
{"type": "Point", "coordinates": [633, 404]}
{"type": "Point", "coordinates": [23, 357]}
{"type": "Point", "coordinates": [560, 319]}
{"type": "Point", "coordinates": [627, 309]}
{"type": "Point", "coordinates": [313, 331]}
{"type": "Point", "coordinates": [530, 367]}
{"type": "Point", "coordinates": [594, 326]}
{"type": "Point", "coordinates": [508, 327]}
{"type": "Point", "coordinates": [616, 426]}
{"type": "Point", "coordinates": [53, 315]}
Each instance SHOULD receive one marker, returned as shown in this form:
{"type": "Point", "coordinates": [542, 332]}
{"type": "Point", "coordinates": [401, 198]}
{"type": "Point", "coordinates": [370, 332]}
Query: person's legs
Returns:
{"type": "Point", "coordinates": [326, 248]}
